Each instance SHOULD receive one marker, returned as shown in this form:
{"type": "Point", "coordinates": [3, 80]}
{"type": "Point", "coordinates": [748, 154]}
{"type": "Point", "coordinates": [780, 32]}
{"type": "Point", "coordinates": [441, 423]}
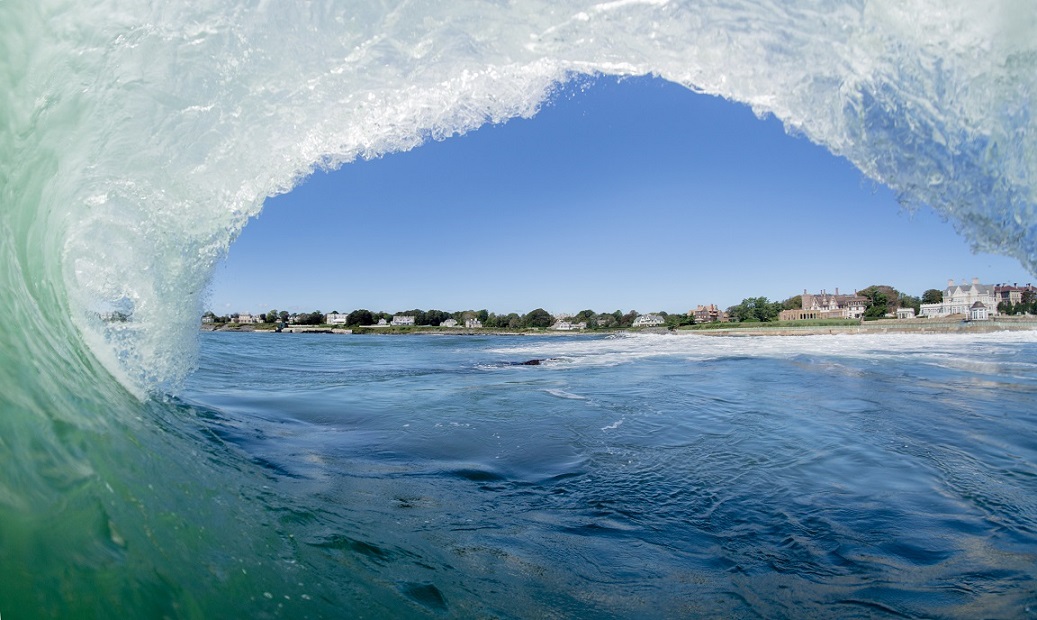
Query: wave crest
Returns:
{"type": "Point", "coordinates": [154, 133]}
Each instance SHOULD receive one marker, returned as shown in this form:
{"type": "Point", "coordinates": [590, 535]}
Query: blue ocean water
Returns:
{"type": "Point", "coordinates": [638, 476]}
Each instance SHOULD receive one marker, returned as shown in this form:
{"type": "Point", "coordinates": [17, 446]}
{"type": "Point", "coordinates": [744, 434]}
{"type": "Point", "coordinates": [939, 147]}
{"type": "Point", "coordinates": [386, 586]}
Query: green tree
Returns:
{"type": "Point", "coordinates": [627, 320]}
{"type": "Point", "coordinates": [360, 318]}
{"type": "Point", "coordinates": [312, 318]}
{"type": "Point", "coordinates": [910, 301]}
{"type": "Point", "coordinates": [756, 309]}
{"type": "Point", "coordinates": [793, 303]}
{"type": "Point", "coordinates": [932, 296]}
{"type": "Point", "coordinates": [585, 316]}
{"type": "Point", "coordinates": [435, 317]}
{"type": "Point", "coordinates": [283, 315]}
{"type": "Point", "coordinates": [883, 299]}
{"type": "Point", "coordinates": [271, 316]}
{"type": "Point", "coordinates": [674, 321]}
{"type": "Point", "coordinates": [538, 318]}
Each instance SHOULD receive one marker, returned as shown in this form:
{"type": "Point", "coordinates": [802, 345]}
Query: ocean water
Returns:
{"type": "Point", "coordinates": [138, 138]}
{"type": "Point", "coordinates": [639, 476]}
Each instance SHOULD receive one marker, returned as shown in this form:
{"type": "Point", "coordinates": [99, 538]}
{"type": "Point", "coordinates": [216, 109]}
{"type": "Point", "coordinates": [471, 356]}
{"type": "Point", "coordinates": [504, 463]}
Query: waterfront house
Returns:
{"type": "Point", "coordinates": [649, 320]}
{"type": "Point", "coordinates": [403, 319]}
{"type": "Point", "coordinates": [960, 299]}
{"type": "Point", "coordinates": [828, 305]}
{"type": "Point", "coordinates": [248, 319]}
{"type": "Point", "coordinates": [978, 312]}
{"type": "Point", "coordinates": [472, 323]}
{"type": "Point", "coordinates": [708, 314]}
{"type": "Point", "coordinates": [1013, 293]}
{"type": "Point", "coordinates": [336, 318]}
{"type": "Point", "coordinates": [905, 313]}
{"type": "Point", "coordinates": [568, 326]}
{"type": "Point", "coordinates": [448, 323]}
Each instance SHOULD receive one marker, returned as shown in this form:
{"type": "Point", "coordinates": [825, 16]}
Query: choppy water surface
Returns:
{"type": "Point", "coordinates": [666, 476]}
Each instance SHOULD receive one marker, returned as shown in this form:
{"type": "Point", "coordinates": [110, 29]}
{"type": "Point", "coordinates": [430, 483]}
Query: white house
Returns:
{"type": "Point", "coordinates": [472, 323]}
{"type": "Point", "coordinates": [960, 299]}
{"type": "Point", "coordinates": [403, 319]}
{"type": "Point", "coordinates": [905, 313]}
{"type": "Point", "coordinates": [568, 326]}
{"type": "Point", "coordinates": [448, 323]}
{"type": "Point", "coordinates": [978, 312]}
{"type": "Point", "coordinates": [648, 320]}
{"type": "Point", "coordinates": [336, 318]}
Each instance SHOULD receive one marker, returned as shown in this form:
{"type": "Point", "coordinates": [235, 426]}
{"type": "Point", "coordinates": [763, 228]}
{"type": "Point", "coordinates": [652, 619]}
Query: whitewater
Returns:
{"type": "Point", "coordinates": [138, 139]}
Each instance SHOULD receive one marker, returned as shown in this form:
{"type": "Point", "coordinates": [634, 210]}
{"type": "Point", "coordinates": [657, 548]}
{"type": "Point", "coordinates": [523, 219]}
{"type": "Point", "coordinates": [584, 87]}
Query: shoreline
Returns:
{"type": "Point", "coordinates": [910, 326]}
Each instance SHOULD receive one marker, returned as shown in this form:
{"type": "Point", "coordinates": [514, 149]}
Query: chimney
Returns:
{"type": "Point", "coordinates": [950, 282]}
{"type": "Point", "coordinates": [837, 291]}
{"type": "Point", "coordinates": [975, 281]}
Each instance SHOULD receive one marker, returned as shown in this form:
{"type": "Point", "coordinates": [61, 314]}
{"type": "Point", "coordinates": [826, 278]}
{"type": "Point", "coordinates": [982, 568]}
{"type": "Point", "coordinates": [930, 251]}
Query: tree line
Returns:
{"type": "Point", "coordinates": [534, 319]}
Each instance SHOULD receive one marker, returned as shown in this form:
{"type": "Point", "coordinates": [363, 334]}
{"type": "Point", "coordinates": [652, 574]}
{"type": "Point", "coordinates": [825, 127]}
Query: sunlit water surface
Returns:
{"type": "Point", "coordinates": [643, 476]}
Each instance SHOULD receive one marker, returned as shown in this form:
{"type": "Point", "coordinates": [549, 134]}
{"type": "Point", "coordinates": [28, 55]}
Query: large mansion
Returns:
{"type": "Point", "coordinates": [976, 301]}
{"type": "Point", "coordinates": [827, 305]}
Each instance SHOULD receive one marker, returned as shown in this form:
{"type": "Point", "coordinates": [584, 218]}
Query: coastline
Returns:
{"type": "Point", "coordinates": [891, 326]}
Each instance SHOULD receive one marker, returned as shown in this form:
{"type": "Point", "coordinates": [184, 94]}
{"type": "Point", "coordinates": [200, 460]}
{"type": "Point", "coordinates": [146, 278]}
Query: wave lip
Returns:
{"type": "Point", "coordinates": [144, 137]}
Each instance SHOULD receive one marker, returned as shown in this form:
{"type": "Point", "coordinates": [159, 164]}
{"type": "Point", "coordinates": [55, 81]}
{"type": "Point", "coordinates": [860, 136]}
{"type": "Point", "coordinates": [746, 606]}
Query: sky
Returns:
{"type": "Point", "coordinates": [633, 194]}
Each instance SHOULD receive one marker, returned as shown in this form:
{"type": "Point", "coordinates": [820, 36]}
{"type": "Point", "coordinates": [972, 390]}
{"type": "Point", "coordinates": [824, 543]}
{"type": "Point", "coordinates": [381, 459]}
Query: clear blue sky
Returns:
{"type": "Point", "coordinates": [631, 194]}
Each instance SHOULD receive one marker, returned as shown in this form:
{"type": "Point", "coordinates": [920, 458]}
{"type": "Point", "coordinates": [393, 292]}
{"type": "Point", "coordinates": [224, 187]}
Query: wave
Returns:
{"type": "Point", "coordinates": [138, 139]}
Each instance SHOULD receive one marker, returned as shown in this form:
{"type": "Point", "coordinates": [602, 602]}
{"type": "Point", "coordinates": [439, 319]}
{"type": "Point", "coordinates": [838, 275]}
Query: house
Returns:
{"type": "Point", "coordinates": [448, 323]}
{"type": "Point", "coordinates": [905, 313]}
{"type": "Point", "coordinates": [403, 319]}
{"type": "Point", "coordinates": [567, 326]}
{"type": "Point", "coordinates": [978, 312]}
{"type": "Point", "coordinates": [207, 319]}
{"type": "Point", "coordinates": [381, 323]}
{"type": "Point", "coordinates": [1014, 293]}
{"type": "Point", "coordinates": [249, 319]}
{"type": "Point", "coordinates": [336, 318]}
{"type": "Point", "coordinates": [708, 314]}
{"type": "Point", "coordinates": [472, 323]}
{"type": "Point", "coordinates": [649, 320]}
{"type": "Point", "coordinates": [960, 299]}
{"type": "Point", "coordinates": [825, 305]}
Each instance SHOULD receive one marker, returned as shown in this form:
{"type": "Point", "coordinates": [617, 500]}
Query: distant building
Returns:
{"type": "Point", "coordinates": [403, 319]}
{"type": "Point", "coordinates": [649, 320]}
{"type": "Point", "coordinates": [472, 323]}
{"type": "Point", "coordinates": [1013, 293]}
{"type": "Point", "coordinates": [708, 314]}
{"type": "Point", "coordinates": [825, 305]}
{"type": "Point", "coordinates": [208, 319]}
{"type": "Point", "coordinates": [381, 323]}
{"type": "Point", "coordinates": [978, 312]}
{"type": "Point", "coordinates": [248, 319]}
{"type": "Point", "coordinates": [960, 299]}
{"type": "Point", "coordinates": [336, 318]}
{"type": "Point", "coordinates": [905, 313]}
{"type": "Point", "coordinates": [567, 326]}
{"type": "Point", "coordinates": [448, 323]}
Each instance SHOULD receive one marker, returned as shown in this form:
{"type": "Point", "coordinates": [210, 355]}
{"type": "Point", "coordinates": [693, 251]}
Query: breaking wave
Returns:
{"type": "Point", "coordinates": [137, 139]}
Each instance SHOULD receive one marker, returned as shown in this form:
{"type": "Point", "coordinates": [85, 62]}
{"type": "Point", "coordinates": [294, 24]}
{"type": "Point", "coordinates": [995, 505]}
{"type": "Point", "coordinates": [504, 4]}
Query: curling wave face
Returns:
{"type": "Point", "coordinates": [140, 138]}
